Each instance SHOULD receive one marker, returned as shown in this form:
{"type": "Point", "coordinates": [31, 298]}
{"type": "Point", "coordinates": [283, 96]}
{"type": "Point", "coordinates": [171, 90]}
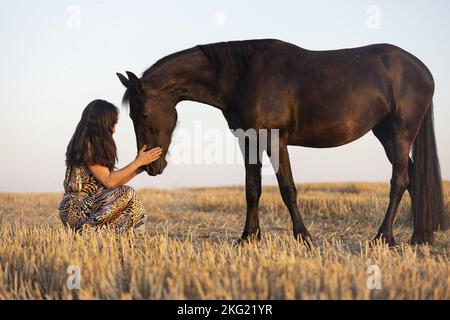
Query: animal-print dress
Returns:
{"type": "Point", "coordinates": [88, 204]}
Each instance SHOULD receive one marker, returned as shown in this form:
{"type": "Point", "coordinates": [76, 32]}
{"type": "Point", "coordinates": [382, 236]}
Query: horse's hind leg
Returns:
{"type": "Point", "coordinates": [383, 132]}
{"type": "Point", "coordinates": [397, 145]}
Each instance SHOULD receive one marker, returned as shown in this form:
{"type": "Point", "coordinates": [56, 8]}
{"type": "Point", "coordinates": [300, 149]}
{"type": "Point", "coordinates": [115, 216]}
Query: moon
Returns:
{"type": "Point", "coordinates": [220, 18]}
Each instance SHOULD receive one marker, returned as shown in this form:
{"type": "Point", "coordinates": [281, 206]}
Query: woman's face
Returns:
{"type": "Point", "coordinates": [114, 128]}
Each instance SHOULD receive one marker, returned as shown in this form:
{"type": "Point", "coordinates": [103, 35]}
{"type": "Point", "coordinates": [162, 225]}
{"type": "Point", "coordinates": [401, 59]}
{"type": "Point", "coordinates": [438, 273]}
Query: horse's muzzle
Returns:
{"type": "Point", "coordinates": [156, 167]}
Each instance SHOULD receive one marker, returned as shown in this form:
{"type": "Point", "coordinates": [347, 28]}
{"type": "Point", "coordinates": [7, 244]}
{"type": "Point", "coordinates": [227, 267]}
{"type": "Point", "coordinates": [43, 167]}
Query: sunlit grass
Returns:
{"type": "Point", "coordinates": [188, 251]}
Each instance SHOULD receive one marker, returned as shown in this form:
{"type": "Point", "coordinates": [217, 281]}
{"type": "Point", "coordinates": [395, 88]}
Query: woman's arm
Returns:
{"type": "Point", "coordinates": [111, 179]}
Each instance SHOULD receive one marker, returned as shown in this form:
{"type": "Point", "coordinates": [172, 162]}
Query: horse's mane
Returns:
{"type": "Point", "coordinates": [232, 56]}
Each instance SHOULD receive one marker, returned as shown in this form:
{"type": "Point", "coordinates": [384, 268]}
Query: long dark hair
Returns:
{"type": "Point", "coordinates": [92, 143]}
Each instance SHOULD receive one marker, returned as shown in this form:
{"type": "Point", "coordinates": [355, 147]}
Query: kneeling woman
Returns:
{"type": "Point", "coordinates": [95, 194]}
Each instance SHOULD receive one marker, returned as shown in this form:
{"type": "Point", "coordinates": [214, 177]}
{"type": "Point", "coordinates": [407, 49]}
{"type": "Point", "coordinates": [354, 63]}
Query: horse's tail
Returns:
{"type": "Point", "coordinates": [426, 185]}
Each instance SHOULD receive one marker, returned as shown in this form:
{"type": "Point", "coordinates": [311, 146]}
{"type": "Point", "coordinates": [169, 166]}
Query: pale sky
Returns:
{"type": "Point", "coordinates": [57, 56]}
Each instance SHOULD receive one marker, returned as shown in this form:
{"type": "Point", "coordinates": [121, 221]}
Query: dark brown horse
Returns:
{"type": "Point", "coordinates": [316, 99]}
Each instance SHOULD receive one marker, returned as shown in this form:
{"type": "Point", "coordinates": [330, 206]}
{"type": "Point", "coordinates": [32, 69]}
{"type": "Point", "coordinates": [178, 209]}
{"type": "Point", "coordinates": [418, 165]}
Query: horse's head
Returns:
{"type": "Point", "coordinates": [154, 118]}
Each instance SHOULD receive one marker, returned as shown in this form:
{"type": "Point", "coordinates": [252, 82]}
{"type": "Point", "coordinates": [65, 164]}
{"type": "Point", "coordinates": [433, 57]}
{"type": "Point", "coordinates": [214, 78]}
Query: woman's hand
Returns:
{"type": "Point", "coordinates": [146, 157]}
{"type": "Point", "coordinates": [112, 179]}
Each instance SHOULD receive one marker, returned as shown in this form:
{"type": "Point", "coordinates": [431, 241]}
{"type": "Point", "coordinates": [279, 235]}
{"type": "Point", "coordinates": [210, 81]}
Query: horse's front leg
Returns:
{"type": "Point", "coordinates": [252, 192]}
{"type": "Point", "coordinates": [282, 168]}
{"type": "Point", "coordinates": [252, 195]}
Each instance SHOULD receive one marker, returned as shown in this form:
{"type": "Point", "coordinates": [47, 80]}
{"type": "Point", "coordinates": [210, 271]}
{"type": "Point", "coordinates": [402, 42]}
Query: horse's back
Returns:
{"type": "Point", "coordinates": [325, 98]}
{"type": "Point", "coordinates": [337, 96]}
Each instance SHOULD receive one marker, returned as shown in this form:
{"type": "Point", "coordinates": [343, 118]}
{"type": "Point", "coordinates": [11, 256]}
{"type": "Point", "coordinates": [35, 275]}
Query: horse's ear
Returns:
{"type": "Point", "coordinates": [134, 80]}
{"type": "Point", "coordinates": [123, 79]}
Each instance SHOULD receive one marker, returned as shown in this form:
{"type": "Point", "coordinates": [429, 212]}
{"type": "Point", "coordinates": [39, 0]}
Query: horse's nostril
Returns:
{"type": "Point", "coordinates": [150, 170]}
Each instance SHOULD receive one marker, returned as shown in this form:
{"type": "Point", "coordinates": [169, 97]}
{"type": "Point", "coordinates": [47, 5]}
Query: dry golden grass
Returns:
{"type": "Point", "coordinates": [188, 253]}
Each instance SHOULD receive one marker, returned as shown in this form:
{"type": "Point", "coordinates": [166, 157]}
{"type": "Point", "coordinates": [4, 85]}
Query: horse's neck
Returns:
{"type": "Point", "coordinates": [189, 76]}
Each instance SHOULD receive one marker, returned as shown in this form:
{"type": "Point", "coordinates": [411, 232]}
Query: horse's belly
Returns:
{"type": "Point", "coordinates": [333, 132]}
{"type": "Point", "coordinates": [328, 137]}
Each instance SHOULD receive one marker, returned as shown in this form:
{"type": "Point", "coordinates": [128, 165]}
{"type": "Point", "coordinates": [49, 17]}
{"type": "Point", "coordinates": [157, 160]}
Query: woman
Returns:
{"type": "Point", "coordinates": [96, 194]}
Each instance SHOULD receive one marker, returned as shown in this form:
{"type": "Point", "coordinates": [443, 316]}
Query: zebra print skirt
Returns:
{"type": "Point", "coordinates": [87, 204]}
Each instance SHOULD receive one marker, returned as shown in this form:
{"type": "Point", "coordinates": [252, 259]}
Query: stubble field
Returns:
{"type": "Point", "coordinates": [188, 250]}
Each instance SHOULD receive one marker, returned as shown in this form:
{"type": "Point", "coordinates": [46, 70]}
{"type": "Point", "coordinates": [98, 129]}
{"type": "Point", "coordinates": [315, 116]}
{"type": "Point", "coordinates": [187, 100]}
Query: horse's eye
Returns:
{"type": "Point", "coordinates": [144, 115]}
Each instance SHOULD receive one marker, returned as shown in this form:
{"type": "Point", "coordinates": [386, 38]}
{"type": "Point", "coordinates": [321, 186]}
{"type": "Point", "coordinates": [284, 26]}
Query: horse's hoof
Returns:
{"type": "Point", "coordinates": [422, 238]}
{"type": "Point", "coordinates": [248, 239]}
{"type": "Point", "coordinates": [383, 239]}
{"type": "Point", "coordinates": [238, 242]}
{"type": "Point", "coordinates": [305, 239]}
